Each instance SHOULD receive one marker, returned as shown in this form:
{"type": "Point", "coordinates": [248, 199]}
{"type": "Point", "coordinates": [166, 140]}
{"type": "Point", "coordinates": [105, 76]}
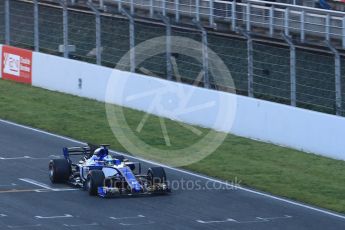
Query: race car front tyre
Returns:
{"type": "Point", "coordinates": [95, 179]}
{"type": "Point", "coordinates": [59, 170]}
{"type": "Point", "coordinates": [156, 175]}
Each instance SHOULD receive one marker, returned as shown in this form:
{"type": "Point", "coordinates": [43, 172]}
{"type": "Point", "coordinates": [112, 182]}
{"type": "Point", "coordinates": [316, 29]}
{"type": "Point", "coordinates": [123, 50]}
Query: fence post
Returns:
{"type": "Point", "coordinates": [36, 27]}
{"type": "Point", "coordinates": [132, 7]}
{"type": "Point", "coordinates": [197, 10]}
{"type": "Point", "coordinates": [177, 10]}
{"type": "Point", "coordinates": [343, 30]}
{"type": "Point", "coordinates": [286, 21]}
{"type": "Point", "coordinates": [271, 20]}
{"type": "Point", "coordinates": [248, 17]}
{"type": "Point", "coordinates": [167, 23]}
{"type": "Point", "coordinates": [211, 5]}
{"type": "Point", "coordinates": [131, 39]}
{"type": "Point", "coordinates": [204, 53]}
{"type": "Point", "coordinates": [337, 69]}
{"type": "Point", "coordinates": [98, 33]}
{"type": "Point", "coordinates": [288, 40]}
{"type": "Point", "coordinates": [247, 35]}
{"type": "Point", "coordinates": [250, 64]}
{"type": "Point", "coordinates": [151, 8]}
{"type": "Point", "coordinates": [327, 28]}
{"type": "Point", "coordinates": [164, 8]}
{"type": "Point", "coordinates": [302, 26]}
{"type": "Point", "coordinates": [119, 5]}
{"type": "Point", "coordinates": [233, 15]}
{"type": "Point", "coordinates": [7, 22]}
{"type": "Point", "coordinates": [65, 27]}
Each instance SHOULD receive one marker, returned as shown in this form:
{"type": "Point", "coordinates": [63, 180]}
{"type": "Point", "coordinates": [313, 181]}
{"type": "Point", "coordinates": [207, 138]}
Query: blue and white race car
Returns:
{"type": "Point", "coordinates": [104, 175]}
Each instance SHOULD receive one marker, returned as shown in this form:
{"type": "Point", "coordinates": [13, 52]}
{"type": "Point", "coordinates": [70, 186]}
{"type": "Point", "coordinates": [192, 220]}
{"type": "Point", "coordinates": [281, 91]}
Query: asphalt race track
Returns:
{"type": "Point", "coordinates": [29, 201]}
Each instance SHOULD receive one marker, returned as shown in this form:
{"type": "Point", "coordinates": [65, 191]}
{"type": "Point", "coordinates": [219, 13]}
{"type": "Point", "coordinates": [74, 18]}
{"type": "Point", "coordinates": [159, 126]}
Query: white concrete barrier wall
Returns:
{"type": "Point", "coordinates": [64, 75]}
{"type": "Point", "coordinates": [289, 126]}
{"type": "Point", "coordinates": [270, 122]}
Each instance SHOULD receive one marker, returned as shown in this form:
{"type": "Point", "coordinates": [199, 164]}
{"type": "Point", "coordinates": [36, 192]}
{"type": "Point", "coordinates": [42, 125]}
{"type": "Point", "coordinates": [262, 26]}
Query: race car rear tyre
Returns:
{"type": "Point", "coordinates": [59, 170]}
{"type": "Point", "coordinates": [95, 179]}
{"type": "Point", "coordinates": [156, 175]}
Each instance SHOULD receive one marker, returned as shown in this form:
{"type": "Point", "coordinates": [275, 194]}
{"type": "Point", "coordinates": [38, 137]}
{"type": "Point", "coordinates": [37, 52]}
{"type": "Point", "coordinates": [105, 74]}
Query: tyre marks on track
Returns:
{"type": "Point", "coordinates": [255, 220]}
{"type": "Point", "coordinates": [80, 225]}
{"type": "Point", "coordinates": [132, 220]}
{"type": "Point", "coordinates": [24, 226]}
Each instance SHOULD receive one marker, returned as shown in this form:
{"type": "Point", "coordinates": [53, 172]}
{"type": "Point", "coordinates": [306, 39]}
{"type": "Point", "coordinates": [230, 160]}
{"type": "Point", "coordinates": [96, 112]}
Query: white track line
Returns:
{"type": "Point", "coordinates": [54, 217]}
{"type": "Point", "coordinates": [274, 218]}
{"type": "Point", "coordinates": [14, 158]}
{"type": "Point", "coordinates": [39, 184]}
{"type": "Point", "coordinates": [28, 157]}
{"type": "Point", "coordinates": [127, 217]}
{"type": "Point", "coordinates": [45, 186]}
{"type": "Point", "coordinates": [216, 221]}
{"type": "Point", "coordinates": [188, 173]}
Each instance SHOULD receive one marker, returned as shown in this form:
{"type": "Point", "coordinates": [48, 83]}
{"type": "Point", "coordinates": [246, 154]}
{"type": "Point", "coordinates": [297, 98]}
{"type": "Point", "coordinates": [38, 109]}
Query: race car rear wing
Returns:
{"type": "Point", "coordinates": [79, 151]}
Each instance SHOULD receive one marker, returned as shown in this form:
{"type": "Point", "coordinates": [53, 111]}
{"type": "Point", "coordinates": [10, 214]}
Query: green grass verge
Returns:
{"type": "Point", "coordinates": [282, 171]}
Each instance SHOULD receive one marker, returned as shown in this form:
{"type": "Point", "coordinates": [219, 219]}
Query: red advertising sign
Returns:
{"type": "Point", "coordinates": [16, 64]}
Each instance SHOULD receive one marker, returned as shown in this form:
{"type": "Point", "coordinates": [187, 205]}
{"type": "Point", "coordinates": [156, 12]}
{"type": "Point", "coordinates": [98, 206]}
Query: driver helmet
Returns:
{"type": "Point", "coordinates": [109, 160]}
{"type": "Point", "coordinates": [100, 152]}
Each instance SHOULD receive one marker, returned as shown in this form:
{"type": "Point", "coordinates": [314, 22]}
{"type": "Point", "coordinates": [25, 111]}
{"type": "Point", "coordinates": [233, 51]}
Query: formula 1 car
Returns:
{"type": "Point", "coordinates": [104, 175]}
